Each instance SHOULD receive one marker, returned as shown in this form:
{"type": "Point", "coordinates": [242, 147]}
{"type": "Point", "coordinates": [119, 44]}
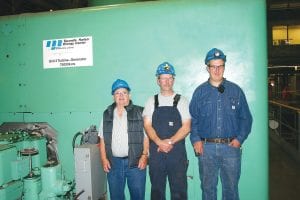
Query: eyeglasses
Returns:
{"type": "Point", "coordinates": [216, 67]}
{"type": "Point", "coordinates": [167, 79]}
{"type": "Point", "coordinates": [123, 93]}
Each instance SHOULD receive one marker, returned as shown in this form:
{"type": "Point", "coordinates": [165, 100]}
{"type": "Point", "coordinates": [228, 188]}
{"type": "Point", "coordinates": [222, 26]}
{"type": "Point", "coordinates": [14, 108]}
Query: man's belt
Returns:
{"type": "Point", "coordinates": [218, 140]}
{"type": "Point", "coordinates": [123, 158]}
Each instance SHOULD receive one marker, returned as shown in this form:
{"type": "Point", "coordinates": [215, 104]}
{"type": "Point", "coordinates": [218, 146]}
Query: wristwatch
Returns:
{"type": "Point", "coordinates": [170, 142]}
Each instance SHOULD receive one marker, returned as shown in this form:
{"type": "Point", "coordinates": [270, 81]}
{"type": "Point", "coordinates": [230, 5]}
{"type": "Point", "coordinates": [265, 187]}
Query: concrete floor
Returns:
{"type": "Point", "coordinates": [284, 174]}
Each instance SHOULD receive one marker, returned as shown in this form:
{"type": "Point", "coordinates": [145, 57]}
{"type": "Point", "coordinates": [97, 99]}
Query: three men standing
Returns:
{"type": "Point", "coordinates": [218, 118]}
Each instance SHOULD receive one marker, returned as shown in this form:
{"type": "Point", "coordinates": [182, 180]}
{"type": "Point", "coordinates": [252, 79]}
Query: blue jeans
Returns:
{"type": "Point", "coordinates": [223, 160]}
{"type": "Point", "coordinates": [119, 174]}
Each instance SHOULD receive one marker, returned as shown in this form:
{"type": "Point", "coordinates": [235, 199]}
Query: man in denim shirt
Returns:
{"type": "Point", "coordinates": [221, 122]}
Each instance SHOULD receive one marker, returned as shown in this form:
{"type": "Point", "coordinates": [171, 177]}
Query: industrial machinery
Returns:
{"type": "Point", "coordinates": [30, 168]}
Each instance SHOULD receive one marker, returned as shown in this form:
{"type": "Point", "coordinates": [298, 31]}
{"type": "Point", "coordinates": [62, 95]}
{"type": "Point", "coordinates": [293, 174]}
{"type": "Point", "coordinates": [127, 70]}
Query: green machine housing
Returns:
{"type": "Point", "coordinates": [129, 41]}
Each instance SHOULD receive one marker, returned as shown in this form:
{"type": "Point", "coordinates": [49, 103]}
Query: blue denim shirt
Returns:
{"type": "Point", "coordinates": [219, 115]}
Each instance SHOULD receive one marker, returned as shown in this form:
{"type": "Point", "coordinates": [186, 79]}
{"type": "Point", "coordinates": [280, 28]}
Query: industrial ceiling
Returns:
{"type": "Point", "coordinates": [13, 7]}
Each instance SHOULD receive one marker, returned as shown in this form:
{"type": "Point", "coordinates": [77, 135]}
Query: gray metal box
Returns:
{"type": "Point", "coordinates": [89, 175]}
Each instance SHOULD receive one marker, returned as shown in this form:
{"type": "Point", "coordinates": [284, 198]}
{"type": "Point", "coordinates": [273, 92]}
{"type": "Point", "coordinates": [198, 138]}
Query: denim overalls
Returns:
{"type": "Point", "coordinates": [166, 121]}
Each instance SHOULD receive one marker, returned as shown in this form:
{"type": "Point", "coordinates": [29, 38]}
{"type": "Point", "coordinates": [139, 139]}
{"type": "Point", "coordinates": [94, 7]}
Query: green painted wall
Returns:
{"type": "Point", "coordinates": [129, 41]}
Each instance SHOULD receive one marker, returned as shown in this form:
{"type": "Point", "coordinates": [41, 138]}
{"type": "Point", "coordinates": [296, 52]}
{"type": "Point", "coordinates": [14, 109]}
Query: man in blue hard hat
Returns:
{"type": "Point", "coordinates": [124, 145]}
{"type": "Point", "coordinates": [221, 122]}
{"type": "Point", "coordinates": [167, 123]}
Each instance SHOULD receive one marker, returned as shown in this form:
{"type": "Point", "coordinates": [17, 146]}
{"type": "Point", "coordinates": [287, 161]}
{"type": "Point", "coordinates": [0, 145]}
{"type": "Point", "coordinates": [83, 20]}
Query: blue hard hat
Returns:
{"type": "Point", "coordinates": [119, 84]}
{"type": "Point", "coordinates": [165, 68]}
{"type": "Point", "coordinates": [214, 54]}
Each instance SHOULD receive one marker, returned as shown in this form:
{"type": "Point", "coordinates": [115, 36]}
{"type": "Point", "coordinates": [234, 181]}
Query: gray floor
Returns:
{"type": "Point", "coordinates": [284, 174]}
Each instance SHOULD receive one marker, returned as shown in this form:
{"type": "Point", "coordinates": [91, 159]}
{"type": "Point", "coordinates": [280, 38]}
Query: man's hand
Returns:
{"type": "Point", "coordinates": [143, 162]}
{"type": "Point", "coordinates": [106, 165]}
{"type": "Point", "coordinates": [235, 143]}
{"type": "Point", "coordinates": [165, 146]}
{"type": "Point", "coordinates": [198, 148]}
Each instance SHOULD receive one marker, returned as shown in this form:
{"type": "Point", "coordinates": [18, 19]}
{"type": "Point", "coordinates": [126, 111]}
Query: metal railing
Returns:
{"type": "Point", "coordinates": [287, 122]}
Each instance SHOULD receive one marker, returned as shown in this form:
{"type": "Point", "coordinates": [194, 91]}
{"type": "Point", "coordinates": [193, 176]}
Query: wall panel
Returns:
{"type": "Point", "coordinates": [129, 41]}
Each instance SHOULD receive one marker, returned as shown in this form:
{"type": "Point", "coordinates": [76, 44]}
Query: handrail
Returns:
{"type": "Point", "coordinates": [287, 123]}
{"type": "Point", "coordinates": [285, 106]}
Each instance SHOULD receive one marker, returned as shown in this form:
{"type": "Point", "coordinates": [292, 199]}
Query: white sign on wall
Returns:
{"type": "Point", "coordinates": [68, 52]}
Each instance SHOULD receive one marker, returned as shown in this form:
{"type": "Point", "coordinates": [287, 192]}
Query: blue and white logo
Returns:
{"type": "Point", "coordinates": [54, 43]}
{"type": "Point", "coordinates": [68, 52]}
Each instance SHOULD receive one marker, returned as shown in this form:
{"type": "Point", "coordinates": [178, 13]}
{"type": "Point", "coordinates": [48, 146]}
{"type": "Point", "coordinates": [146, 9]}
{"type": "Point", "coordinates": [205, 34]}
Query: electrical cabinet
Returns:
{"type": "Point", "coordinates": [89, 175]}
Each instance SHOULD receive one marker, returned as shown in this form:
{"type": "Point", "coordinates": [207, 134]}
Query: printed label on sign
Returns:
{"type": "Point", "coordinates": [68, 52]}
